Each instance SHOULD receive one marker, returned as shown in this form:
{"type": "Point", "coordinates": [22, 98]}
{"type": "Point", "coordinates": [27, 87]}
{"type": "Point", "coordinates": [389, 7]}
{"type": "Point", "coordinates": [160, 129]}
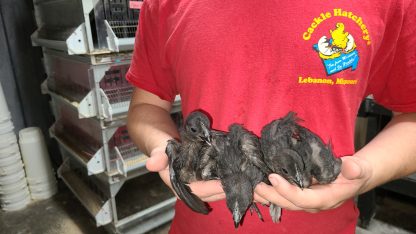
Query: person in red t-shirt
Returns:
{"type": "Point", "coordinates": [250, 62]}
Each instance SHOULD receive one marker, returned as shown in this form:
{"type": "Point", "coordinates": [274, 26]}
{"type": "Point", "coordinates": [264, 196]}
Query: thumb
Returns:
{"type": "Point", "coordinates": [354, 168]}
{"type": "Point", "coordinates": [158, 160]}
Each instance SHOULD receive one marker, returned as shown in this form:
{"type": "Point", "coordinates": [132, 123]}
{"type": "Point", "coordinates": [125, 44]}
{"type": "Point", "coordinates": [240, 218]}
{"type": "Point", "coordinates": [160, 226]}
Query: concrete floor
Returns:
{"type": "Point", "coordinates": [395, 214]}
{"type": "Point", "coordinates": [379, 227]}
{"type": "Point", "coordinates": [63, 214]}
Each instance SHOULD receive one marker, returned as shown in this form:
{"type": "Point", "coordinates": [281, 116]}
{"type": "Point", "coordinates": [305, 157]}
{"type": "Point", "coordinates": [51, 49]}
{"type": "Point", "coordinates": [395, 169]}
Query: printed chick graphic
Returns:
{"type": "Point", "coordinates": [339, 37]}
{"type": "Point", "coordinates": [341, 42]}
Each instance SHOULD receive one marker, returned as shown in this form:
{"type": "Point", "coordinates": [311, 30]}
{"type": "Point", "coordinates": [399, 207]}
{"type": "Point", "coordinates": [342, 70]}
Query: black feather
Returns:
{"type": "Point", "coordinates": [188, 159]}
{"type": "Point", "coordinates": [182, 190]}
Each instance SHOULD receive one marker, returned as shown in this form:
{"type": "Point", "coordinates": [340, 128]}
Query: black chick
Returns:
{"type": "Point", "coordinates": [207, 164]}
{"type": "Point", "coordinates": [185, 159]}
{"type": "Point", "coordinates": [278, 139]}
{"type": "Point", "coordinates": [297, 154]}
{"type": "Point", "coordinates": [239, 152]}
{"type": "Point", "coordinates": [276, 143]}
{"type": "Point", "coordinates": [285, 142]}
{"type": "Point", "coordinates": [325, 167]}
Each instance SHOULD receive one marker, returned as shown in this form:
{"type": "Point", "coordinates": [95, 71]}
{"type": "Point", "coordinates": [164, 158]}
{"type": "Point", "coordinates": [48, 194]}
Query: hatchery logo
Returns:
{"type": "Point", "coordinates": [339, 51]}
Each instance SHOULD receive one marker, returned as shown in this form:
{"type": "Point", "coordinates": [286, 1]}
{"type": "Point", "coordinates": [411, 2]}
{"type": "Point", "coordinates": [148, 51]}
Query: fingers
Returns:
{"type": "Point", "coordinates": [261, 200]}
{"type": "Point", "coordinates": [306, 199]}
{"type": "Point", "coordinates": [282, 193]}
{"type": "Point", "coordinates": [317, 197]}
{"type": "Point", "coordinates": [266, 190]}
{"type": "Point", "coordinates": [268, 193]}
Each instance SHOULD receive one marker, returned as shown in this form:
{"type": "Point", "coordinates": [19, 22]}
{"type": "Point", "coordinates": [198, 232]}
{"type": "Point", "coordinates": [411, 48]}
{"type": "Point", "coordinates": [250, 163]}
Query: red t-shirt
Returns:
{"type": "Point", "coordinates": [251, 62]}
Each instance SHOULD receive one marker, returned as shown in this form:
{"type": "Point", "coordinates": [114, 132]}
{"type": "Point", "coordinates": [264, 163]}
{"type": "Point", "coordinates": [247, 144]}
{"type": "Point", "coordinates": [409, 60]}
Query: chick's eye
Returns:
{"type": "Point", "coordinates": [193, 130]}
{"type": "Point", "coordinates": [285, 171]}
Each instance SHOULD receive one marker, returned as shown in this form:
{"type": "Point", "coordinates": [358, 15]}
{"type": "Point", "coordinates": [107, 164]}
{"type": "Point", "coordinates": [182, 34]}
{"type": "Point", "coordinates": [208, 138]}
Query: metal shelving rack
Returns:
{"type": "Point", "coordinates": [87, 53]}
{"type": "Point", "coordinates": [94, 85]}
{"type": "Point", "coordinates": [86, 26]}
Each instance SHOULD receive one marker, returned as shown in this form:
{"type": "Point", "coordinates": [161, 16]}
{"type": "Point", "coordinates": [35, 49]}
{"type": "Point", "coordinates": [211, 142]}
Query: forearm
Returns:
{"type": "Point", "coordinates": [149, 124]}
{"type": "Point", "coordinates": [392, 153]}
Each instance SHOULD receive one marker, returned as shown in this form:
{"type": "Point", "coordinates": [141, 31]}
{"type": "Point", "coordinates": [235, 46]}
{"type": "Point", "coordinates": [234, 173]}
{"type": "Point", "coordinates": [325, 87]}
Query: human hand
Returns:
{"type": "Point", "coordinates": [208, 191]}
{"type": "Point", "coordinates": [355, 175]}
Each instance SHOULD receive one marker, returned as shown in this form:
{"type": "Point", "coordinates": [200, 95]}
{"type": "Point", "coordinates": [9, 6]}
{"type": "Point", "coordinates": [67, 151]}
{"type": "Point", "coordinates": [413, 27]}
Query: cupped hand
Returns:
{"type": "Point", "coordinates": [158, 159]}
{"type": "Point", "coordinates": [353, 179]}
{"type": "Point", "coordinates": [208, 191]}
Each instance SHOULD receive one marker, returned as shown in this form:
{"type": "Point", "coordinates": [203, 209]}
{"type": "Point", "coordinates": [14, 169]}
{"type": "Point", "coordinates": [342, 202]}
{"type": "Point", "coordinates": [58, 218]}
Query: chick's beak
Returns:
{"type": "Point", "coordinates": [207, 137]}
{"type": "Point", "coordinates": [299, 178]}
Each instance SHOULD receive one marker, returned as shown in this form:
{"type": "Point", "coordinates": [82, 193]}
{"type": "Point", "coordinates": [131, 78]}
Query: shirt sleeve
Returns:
{"type": "Point", "coordinates": [394, 85]}
{"type": "Point", "coordinates": [148, 69]}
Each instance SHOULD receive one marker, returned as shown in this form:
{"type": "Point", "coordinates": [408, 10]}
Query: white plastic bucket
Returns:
{"type": "Point", "coordinates": [15, 154]}
{"type": "Point", "coordinates": [39, 188]}
{"type": "Point", "coordinates": [6, 126]}
{"type": "Point", "coordinates": [34, 153]}
{"type": "Point", "coordinates": [9, 179]}
{"type": "Point", "coordinates": [12, 159]}
{"type": "Point", "coordinates": [14, 186]}
{"type": "Point", "coordinates": [42, 180]}
{"type": "Point", "coordinates": [13, 168]}
{"type": "Point", "coordinates": [12, 155]}
{"type": "Point", "coordinates": [4, 110]}
{"type": "Point", "coordinates": [16, 206]}
{"type": "Point", "coordinates": [20, 184]}
{"type": "Point", "coordinates": [5, 117]}
{"type": "Point", "coordinates": [7, 139]}
{"type": "Point", "coordinates": [43, 195]}
{"type": "Point", "coordinates": [11, 149]}
{"type": "Point", "coordinates": [15, 196]}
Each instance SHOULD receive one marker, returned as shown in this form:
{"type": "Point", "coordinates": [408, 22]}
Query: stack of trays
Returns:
{"type": "Point", "coordinates": [14, 193]}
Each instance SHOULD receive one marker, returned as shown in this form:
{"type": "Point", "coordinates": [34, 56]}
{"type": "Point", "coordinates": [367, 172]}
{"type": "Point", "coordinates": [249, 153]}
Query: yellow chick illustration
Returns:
{"type": "Point", "coordinates": [342, 42]}
{"type": "Point", "coordinates": [339, 37]}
